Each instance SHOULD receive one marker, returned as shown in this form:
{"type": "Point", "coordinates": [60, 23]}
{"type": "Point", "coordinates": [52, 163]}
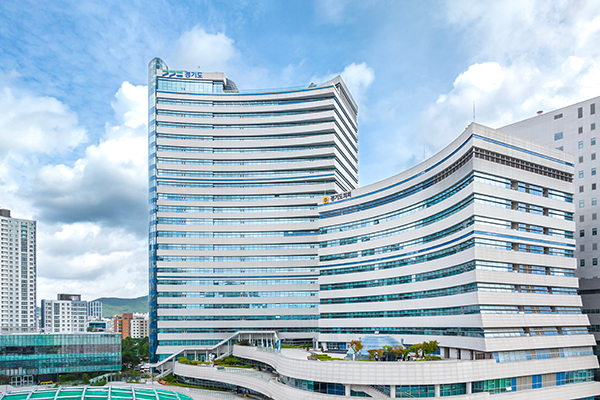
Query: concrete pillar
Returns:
{"type": "Point", "coordinates": [437, 390]}
{"type": "Point", "coordinates": [347, 387]}
{"type": "Point", "coordinates": [392, 391]}
{"type": "Point", "coordinates": [469, 388]}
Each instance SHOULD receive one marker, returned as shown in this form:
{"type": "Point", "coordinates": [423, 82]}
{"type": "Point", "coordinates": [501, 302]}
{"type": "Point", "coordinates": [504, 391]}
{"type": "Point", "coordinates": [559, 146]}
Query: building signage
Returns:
{"type": "Point", "coordinates": [181, 74]}
{"type": "Point", "coordinates": [336, 197]}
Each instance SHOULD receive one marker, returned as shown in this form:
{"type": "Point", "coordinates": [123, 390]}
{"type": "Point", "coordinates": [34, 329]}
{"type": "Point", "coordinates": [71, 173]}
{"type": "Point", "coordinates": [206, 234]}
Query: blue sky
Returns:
{"type": "Point", "coordinates": [73, 90]}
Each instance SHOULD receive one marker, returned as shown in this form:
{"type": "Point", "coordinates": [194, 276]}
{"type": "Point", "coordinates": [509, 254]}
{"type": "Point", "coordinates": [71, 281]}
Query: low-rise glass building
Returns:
{"type": "Point", "coordinates": [28, 357]}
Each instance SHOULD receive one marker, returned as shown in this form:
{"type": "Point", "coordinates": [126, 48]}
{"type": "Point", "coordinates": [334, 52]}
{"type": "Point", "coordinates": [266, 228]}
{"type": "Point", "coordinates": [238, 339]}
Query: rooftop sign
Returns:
{"type": "Point", "coordinates": [180, 74]}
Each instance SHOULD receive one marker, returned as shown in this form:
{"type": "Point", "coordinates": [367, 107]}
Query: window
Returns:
{"type": "Point", "coordinates": [594, 246]}
{"type": "Point", "coordinates": [593, 171]}
{"type": "Point", "coordinates": [593, 156]}
{"type": "Point", "coordinates": [580, 159]}
{"type": "Point", "coordinates": [581, 189]}
{"type": "Point", "coordinates": [594, 216]}
{"type": "Point", "coordinates": [582, 233]}
{"type": "Point", "coordinates": [594, 231]}
{"type": "Point", "coordinates": [582, 262]}
{"type": "Point", "coordinates": [558, 136]}
{"type": "Point", "coordinates": [582, 218]}
{"type": "Point", "coordinates": [580, 144]}
{"type": "Point", "coordinates": [561, 148]}
{"type": "Point", "coordinates": [592, 108]}
{"type": "Point", "coordinates": [582, 247]}
{"type": "Point", "coordinates": [558, 116]}
{"type": "Point", "coordinates": [580, 130]}
{"type": "Point", "coordinates": [593, 141]}
{"type": "Point", "coordinates": [593, 127]}
{"type": "Point", "coordinates": [581, 203]}
{"type": "Point", "coordinates": [580, 112]}
{"type": "Point", "coordinates": [594, 261]}
{"type": "Point", "coordinates": [581, 174]}
{"type": "Point", "coordinates": [594, 201]}
{"type": "Point", "coordinates": [593, 186]}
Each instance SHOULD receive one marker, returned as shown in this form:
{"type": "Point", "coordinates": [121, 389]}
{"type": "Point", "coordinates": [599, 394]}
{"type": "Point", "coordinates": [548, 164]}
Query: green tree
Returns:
{"type": "Point", "coordinates": [417, 349]}
{"type": "Point", "coordinates": [429, 348]}
{"type": "Point", "coordinates": [144, 348]}
{"type": "Point", "coordinates": [130, 357]}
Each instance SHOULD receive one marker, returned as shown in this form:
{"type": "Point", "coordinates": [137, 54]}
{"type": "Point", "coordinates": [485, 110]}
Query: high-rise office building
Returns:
{"type": "Point", "coordinates": [235, 178]}
{"type": "Point", "coordinates": [573, 130]}
{"type": "Point", "coordinates": [17, 274]}
{"type": "Point", "coordinates": [66, 314]}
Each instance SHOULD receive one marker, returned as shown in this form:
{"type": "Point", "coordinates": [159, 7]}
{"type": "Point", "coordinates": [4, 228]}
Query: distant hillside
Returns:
{"type": "Point", "coordinates": [117, 306]}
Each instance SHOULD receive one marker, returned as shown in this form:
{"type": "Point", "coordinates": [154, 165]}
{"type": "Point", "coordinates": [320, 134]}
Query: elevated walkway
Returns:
{"type": "Point", "coordinates": [220, 350]}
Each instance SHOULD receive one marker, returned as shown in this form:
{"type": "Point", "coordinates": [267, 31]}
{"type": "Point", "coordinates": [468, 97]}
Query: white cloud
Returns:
{"type": "Point", "coordinates": [198, 50]}
{"type": "Point", "coordinates": [358, 78]}
{"type": "Point", "coordinates": [534, 56]}
{"type": "Point", "coordinates": [131, 105]}
{"type": "Point", "coordinates": [91, 212]}
{"type": "Point", "coordinates": [37, 124]}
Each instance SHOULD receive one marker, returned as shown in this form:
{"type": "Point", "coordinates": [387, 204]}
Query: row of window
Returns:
{"type": "Point", "coordinates": [541, 354]}
{"type": "Point", "coordinates": [453, 389]}
{"type": "Point", "coordinates": [235, 270]}
{"type": "Point", "coordinates": [417, 259]}
{"type": "Point", "coordinates": [261, 306]}
{"type": "Point", "coordinates": [209, 103]}
{"type": "Point", "coordinates": [205, 294]}
{"type": "Point", "coordinates": [449, 291]}
{"type": "Point", "coordinates": [204, 161]}
{"type": "Point", "coordinates": [250, 197]}
{"type": "Point", "coordinates": [193, 234]}
{"type": "Point", "coordinates": [235, 247]}
{"type": "Point", "coordinates": [245, 184]}
{"type": "Point", "coordinates": [226, 282]}
{"type": "Point", "coordinates": [195, 114]}
{"type": "Point", "coordinates": [219, 210]}
{"type": "Point", "coordinates": [450, 271]}
{"type": "Point", "coordinates": [248, 221]}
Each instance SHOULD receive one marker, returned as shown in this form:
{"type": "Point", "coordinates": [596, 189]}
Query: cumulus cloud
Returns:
{"type": "Point", "coordinates": [107, 185]}
{"type": "Point", "coordinates": [198, 50]}
{"type": "Point", "coordinates": [358, 78]}
{"type": "Point", "coordinates": [532, 56]}
{"type": "Point", "coordinates": [92, 211]}
{"type": "Point", "coordinates": [37, 124]}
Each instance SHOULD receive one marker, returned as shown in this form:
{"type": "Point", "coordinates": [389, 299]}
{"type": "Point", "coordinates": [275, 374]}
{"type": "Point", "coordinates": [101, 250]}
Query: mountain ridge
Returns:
{"type": "Point", "coordinates": [118, 305]}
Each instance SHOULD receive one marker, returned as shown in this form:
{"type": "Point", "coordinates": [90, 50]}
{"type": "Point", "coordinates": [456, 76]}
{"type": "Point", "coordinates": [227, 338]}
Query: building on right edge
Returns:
{"type": "Point", "coordinates": [573, 130]}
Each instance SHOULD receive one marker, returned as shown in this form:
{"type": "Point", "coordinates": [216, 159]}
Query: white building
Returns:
{"type": "Point", "coordinates": [94, 310]}
{"type": "Point", "coordinates": [235, 179]}
{"type": "Point", "coordinates": [17, 274]}
{"type": "Point", "coordinates": [573, 129]}
{"type": "Point", "coordinates": [67, 314]}
{"type": "Point", "coordinates": [138, 328]}
{"type": "Point", "coordinates": [473, 248]}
